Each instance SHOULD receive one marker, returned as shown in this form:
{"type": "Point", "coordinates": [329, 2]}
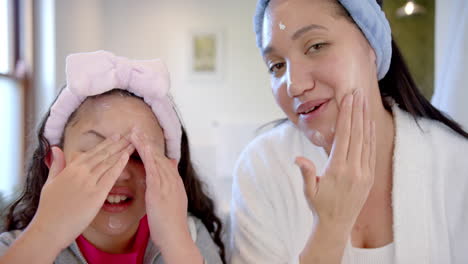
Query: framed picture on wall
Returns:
{"type": "Point", "coordinates": [205, 55]}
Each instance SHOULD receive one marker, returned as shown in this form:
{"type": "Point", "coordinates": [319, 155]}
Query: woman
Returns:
{"type": "Point", "coordinates": [384, 173]}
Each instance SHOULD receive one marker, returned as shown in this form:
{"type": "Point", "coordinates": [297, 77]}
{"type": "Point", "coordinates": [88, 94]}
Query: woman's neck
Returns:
{"type": "Point", "coordinates": [113, 244]}
{"type": "Point", "coordinates": [385, 133]}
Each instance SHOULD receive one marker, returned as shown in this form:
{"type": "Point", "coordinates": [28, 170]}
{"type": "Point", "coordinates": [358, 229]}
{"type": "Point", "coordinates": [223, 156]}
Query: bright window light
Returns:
{"type": "Point", "coordinates": [10, 135]}
{"type": "Point", "coordinates": [5, 37]}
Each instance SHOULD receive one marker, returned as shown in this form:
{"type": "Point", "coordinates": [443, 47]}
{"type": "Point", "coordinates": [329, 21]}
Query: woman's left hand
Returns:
{"type": "Point", "coordinates": [166, 202]}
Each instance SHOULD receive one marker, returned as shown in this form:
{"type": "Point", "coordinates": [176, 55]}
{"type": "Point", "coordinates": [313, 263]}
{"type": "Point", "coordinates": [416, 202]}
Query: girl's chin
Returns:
{"type": "Point", "coordinates": [115, 224]}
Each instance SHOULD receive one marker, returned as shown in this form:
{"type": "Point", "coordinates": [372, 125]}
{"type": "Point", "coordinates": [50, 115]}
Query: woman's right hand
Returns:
{"type": "Point", "coordinates": [340, 193]}
{"type": "Point", "coordinates": [74, 193]}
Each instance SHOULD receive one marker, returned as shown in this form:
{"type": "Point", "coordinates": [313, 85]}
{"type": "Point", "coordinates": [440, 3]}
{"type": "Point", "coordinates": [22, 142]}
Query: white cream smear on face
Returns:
{"type": "Point", "coordinates": [318, 139]}
{"type": "Point", "coordinates": [114, 223]}
{"type": "Point", "coordinates": [105, 105]}
{"type": "Point", "coordinates": [281, 26]}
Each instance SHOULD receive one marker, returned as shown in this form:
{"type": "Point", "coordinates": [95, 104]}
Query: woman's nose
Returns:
{"type": "Point", "coordinates": [299, 79]}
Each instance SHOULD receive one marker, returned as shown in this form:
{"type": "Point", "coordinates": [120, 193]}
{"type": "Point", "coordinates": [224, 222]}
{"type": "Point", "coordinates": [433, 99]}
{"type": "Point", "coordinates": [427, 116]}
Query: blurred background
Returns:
{"type": "Point", "coordinates": [219, 81]}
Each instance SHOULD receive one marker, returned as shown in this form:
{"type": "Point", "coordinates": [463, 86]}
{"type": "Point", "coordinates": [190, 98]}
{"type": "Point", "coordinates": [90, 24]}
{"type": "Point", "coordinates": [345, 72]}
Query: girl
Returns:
{"type": "Point", "coordinates": [384, 173]}
{"type": "Point", "coordinates": [111, 179]}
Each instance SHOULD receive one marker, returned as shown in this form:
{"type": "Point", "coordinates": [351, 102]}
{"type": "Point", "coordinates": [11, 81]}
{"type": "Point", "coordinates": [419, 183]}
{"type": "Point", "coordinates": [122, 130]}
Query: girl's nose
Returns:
{"type": "Point", "coordinates": [125, 175]}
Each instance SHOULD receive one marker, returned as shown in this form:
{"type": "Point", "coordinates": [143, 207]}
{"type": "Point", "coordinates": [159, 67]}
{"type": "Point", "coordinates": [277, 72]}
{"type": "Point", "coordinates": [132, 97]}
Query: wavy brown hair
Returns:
{"type": "Point", "coordinates": [23, 209]}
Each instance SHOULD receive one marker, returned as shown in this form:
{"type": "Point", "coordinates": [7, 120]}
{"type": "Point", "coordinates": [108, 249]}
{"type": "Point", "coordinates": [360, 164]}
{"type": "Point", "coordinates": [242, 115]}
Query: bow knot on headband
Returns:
{"type": "Point", "coordinates": [94, 73]}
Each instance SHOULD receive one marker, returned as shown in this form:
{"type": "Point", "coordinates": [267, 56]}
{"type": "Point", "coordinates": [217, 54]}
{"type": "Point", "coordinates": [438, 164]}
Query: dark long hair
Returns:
{"type": "Point", "coordinates": [397, 83]}
{"type": "Point", "coordinates": [200, 205]}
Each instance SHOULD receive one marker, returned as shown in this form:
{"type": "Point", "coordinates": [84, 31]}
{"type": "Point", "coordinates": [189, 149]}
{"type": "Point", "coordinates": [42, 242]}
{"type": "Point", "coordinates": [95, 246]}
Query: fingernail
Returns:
{"type": "Point", "coordinates": [135, 131]}
{"type": "Point", "coordinates": [298, 163]}
{"type": "Point", "coordinates": [130, 147]}
{"type": "Point", "coordinates": [349, 99]}
{"type": "Point", "coordinates": [133, 136]}
{"type": "Point", "coordinates": [53, 150]}
{"type": "Point", "coordinates": [358, 94]}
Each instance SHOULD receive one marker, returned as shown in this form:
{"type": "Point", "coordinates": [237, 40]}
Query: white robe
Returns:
{"type": "Point", "coordinates": [271, 221]}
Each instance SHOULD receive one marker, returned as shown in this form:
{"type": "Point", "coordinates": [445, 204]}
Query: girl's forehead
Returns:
{"type": "Point", "coordinates": [116, 114]}
{"type": "Point", "coordinates": [116, 104]}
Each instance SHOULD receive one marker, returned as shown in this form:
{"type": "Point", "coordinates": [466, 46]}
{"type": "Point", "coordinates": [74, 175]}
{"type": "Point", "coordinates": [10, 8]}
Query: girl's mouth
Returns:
{"type": "Point", "coordinates": [118, 200]}
{"type": "Point", "coordinates": [117, 203]}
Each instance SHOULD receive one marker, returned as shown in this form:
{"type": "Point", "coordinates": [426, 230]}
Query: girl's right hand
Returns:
{"type": "Point", "coordinates": [339, 195]}
{"type": "Point", "coordinates": [74, 193]}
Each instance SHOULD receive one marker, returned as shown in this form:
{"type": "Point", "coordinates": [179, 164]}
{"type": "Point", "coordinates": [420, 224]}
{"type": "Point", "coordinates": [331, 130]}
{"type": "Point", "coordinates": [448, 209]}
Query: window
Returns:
{"type": "Point", "coordinates": [10, 104]}
{"type": "Point", "coordinates": [10, 135]}
{"type": "Point", "coordinates": [5, 36]}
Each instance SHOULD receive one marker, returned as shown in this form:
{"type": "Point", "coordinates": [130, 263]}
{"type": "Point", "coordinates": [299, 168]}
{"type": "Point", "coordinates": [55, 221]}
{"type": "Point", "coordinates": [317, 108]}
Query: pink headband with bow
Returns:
{"type": "Point", "coordinates": [94, 73]}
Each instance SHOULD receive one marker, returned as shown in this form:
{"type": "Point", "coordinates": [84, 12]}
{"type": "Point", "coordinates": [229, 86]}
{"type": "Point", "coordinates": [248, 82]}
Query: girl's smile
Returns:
{"type": "Point", "coordinates": [118, 200]}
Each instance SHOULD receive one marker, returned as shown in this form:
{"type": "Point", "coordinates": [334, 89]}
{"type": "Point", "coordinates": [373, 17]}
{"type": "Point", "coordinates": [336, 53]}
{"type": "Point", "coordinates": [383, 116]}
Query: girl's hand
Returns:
{"type": "Point", "coordinates": [166, 205]}
{"type": "Point", "coordinates": [74, 193]}
{"type": "Point", "coordinates": [166, 200]}
{"type": "Point", "coordinates": [339, 195]}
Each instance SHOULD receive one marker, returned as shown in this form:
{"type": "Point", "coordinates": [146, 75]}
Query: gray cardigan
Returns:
{"type": "Point", "coordinates": [72, 254]}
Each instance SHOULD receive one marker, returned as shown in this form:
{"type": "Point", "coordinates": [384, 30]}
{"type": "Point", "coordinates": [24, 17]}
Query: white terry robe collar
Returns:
{"type": "Point", "coordinates": [412, 164]}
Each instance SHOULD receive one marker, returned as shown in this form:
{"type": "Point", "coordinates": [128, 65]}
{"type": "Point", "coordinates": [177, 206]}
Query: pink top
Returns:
{"type": "Point", "coordinates": [95, 256]}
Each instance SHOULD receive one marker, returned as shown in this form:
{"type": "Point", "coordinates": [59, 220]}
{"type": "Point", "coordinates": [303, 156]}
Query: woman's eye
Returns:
{"type": "Point", "coordinates": [315, 47]}
{"type": "Point", "coordinates": [276, 67]}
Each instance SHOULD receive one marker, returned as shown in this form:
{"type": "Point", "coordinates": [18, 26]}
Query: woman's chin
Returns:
{"type": "Point", "coordinates": [319, 138]}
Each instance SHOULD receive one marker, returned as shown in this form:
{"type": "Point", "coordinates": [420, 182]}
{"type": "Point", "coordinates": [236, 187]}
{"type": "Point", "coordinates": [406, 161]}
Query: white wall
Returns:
{"type": "Point", "coordinates": [220, 116]}
{"type": "Point", "coordinates": [451, 60]}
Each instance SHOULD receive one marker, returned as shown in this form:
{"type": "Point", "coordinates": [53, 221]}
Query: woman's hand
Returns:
{"type": "Point", "coordinates": [166, 204]}
{"type": "Point", "coordinates": [74, 193]}
{"type": "Point", "coordinates": [339, 195]}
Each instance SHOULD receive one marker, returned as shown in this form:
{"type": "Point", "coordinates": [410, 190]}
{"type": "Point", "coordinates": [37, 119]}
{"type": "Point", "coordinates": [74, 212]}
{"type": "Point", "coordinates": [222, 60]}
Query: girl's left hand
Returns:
{"type": "Point", "coordinates": [166, 199]}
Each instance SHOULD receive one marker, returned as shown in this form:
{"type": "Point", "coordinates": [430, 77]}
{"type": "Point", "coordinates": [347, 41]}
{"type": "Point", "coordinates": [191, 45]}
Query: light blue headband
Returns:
{"type": "Point", "coordinates": [372, 21]}
{"type": "Point", "coordinates": [370, 18]}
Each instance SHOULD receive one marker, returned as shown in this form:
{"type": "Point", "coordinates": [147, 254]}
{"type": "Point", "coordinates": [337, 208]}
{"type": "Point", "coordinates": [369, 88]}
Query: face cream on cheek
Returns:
{"type": "Point", "coordinates": [318, 139]}
{"type": "Point", "coordinates": [114, 223]}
